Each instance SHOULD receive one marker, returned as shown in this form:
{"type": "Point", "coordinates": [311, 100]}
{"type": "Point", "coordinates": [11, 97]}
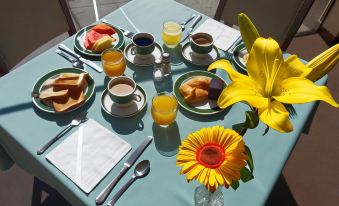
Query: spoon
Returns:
{"type": "Point", "coordinates": [75, 62]}
{"type": "Point", "coordinates": [140, 171]}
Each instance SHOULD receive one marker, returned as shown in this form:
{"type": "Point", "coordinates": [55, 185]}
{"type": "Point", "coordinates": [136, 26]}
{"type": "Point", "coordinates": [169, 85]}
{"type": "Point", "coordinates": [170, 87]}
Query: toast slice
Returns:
{"type": "Point", "coordinates": [76, 97]}
{"type": "Point", "coordinates": [50, 94]}
{"type": "Point", "coordinates": [81, 82]}
{"type": "Point", "coordinates": [68, 76]}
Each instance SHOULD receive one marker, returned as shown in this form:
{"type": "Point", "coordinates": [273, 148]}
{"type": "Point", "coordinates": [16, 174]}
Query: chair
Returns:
{"type": "Point", "coordinates": [27, 25]}
{"type": "Point", "coordinates": [277, 19]}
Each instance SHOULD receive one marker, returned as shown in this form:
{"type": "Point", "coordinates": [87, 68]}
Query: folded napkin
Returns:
{"type": "Point", "coordinates": [223, 35]}
{"type": "Point", "coordinates": [88, 154]}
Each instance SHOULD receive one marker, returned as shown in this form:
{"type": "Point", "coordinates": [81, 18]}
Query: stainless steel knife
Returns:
{"type": "Point", "coordinates": [128, 164]}
{"type": "Point", "coordinates": [190, 29]}
{"type": "Point", "coordinates": [86, 61]}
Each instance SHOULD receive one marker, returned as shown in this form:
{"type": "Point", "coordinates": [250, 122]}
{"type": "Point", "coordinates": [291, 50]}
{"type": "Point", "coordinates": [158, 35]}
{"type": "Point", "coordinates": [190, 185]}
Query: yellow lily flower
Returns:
{"type": "Point", "coordinates": [271, 81]}
{"type": "Point", "coordinates": [248, 31]}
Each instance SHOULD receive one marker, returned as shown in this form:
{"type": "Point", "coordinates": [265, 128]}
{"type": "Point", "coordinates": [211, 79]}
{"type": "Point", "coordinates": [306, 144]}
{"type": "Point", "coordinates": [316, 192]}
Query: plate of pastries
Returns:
{"type": "Point", "coordinates": [93, 40]}
{"type": "Point", "coordinates": [198, 92]}
{"type": "Point", "coordinates": [63, 90]}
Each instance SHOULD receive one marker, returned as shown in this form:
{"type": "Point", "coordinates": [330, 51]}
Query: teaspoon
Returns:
{"type": "Point", "coordinates": [140, 171]}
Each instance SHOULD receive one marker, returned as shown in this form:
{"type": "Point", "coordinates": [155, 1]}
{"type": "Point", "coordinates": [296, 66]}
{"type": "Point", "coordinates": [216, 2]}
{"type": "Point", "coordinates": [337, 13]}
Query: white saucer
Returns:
{"type": "Point", "coordinates": [123, 110]}
{"type": "Point", "coordinates": [199, 59]}
{"type": "Point", "coordinates": [142, 60]}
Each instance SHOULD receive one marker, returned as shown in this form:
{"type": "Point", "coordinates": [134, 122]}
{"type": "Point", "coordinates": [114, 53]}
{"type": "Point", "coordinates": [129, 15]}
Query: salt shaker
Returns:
{"type": "Point", "coordinates": [166, 64]}
{"type": "Point", "coordinates": [158, 73]}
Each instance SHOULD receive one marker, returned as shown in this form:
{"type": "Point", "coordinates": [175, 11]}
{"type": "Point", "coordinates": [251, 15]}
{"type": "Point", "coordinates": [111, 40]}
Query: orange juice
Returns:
{"type": "Point", "coordinates": [164, 109]}
{"type": "Point", "coordinates": [171, 34]}
{"type": "Point", "coordinates": [113, 62]}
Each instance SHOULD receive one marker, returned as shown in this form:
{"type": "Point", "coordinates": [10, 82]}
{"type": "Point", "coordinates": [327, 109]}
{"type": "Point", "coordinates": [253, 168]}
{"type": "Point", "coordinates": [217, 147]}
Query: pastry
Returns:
{"type": "Point", "coordinates": [195, 90]}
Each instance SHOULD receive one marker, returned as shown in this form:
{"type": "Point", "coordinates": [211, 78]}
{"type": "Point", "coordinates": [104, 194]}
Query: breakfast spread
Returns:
{"type": "Point", "coordinates": [99, 38]}
{"type": "Point", "coordinates": [65, 92]}
{"type": "Point", "coordinates": [199, 89]}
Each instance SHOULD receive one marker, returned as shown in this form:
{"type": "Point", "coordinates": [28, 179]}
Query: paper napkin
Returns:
{"type": "Point", "coordinates": [88, 154]}
{"type": "Point", "coordinates": [223, 35]}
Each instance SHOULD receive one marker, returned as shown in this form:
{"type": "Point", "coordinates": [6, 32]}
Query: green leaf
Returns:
{"type": "Point", "coordinates": [252, 120]}
{"type": "Point", "coordinates": [238, 127]}
{"type": "Point", "coordinates": [250, 158]}
{"type": "Point", "coordinates": [235, 184]}
{"type": "Point", "coordinates": [246, 174]}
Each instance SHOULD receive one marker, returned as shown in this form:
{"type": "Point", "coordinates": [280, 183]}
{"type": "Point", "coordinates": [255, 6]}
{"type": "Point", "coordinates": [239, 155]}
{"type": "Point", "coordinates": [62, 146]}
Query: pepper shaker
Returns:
{"type": "Point", "coordinates": [158, 73]}
{"type": "Point", "coordinates": [166, 64]}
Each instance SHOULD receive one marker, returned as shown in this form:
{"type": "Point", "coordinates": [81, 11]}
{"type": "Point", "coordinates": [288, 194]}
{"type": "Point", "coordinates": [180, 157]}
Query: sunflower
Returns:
{"type": "Point", "coordinates": [214, 156]}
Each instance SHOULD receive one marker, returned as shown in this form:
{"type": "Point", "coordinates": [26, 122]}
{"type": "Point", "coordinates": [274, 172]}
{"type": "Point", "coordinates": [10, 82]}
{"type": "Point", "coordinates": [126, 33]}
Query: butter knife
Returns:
{"type": "Point", "coordinates": [86, 61]}
{"type": "Point", "coordinates": [128, 164]}
{"type": "Point", "coordinates": [190, 29]}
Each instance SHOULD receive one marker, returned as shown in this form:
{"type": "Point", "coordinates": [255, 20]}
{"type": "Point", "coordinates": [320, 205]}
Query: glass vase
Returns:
{"type": "Point", "coordinates": [203, 197]}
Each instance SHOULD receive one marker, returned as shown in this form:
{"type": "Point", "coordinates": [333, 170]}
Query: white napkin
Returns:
{"type": "Point", "coordinates": [88, 154]}
{"type": "Point", "coordinates": [223, 35]}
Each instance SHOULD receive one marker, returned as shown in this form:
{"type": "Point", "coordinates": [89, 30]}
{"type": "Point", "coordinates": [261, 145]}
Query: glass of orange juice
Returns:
{"type": "Point", "coordinates": [113, 62]}
{"type": "Point", "coordinates": [164, 108]}
{"type": "Point", "coordinates": [171, 33]}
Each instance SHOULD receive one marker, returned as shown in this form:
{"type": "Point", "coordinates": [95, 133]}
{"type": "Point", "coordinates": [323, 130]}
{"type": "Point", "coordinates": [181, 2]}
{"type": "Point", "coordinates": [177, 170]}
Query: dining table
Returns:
{"type": "Point", "coordinates": [24, 128]}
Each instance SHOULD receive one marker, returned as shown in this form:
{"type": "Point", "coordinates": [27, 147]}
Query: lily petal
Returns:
{"type": "Point", "coordinates": [227, 66]}
{"type": "Point", "coordinates": [264, 62]}
{"type": "Point", "coordinates": [297, 90]}
{"type": "Point", "coordinates": [323, 63]}
{"type": "Point", "coordinates": [276, 116]}
{"type": "Point", "coordinates": [248, 31]}
{"type": "Point", "coordinates": [239, 91]}
{"type": "Point", "coordinates": [294, 67]}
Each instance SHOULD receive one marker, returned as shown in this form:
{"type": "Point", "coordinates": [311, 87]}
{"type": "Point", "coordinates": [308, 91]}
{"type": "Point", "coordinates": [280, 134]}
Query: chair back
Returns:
{"type": "Point", "coordinates": [279, 19]}
{"type": "Point", "coordinates": [27, 25]}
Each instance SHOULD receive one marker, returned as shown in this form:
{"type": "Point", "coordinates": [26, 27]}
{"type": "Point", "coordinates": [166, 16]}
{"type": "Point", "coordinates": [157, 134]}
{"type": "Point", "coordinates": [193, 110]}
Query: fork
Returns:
{"type": "Point", "coordinates": [229, 52]}
{"type": "Point", "coordinates": [75, 122]}
{"type": "Point", "coordinates": [126, 33]}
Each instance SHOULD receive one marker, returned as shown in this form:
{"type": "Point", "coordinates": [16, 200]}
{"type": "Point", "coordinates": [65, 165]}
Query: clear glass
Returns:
{"type": "Point", "coordinates": [205, 198]}
{"type": "Point", "coordinates": [164, 109]}
{"type": "Point", "coordinates": [113, 62]}
{"type": "Point", "coordinates": [171, 33]}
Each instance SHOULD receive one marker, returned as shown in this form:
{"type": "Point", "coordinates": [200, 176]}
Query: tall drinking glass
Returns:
{"type": "Point", "coordinates": [113, 62]}
{"type": "Point", "coordinates": [171, 33]}
{"type": "Point", "coordinates": [164, 109]}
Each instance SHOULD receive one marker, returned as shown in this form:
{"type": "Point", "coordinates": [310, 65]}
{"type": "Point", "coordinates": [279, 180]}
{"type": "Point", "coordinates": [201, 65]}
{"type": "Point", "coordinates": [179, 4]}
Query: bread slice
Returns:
{"type": "Point", "coordinates": [67, 76]}
{"type": "Point", "coordinates": [76, 97]}
{"type": "Point", "coordinates": [61, 84]}
{"type": "Point", "coordinates": [50, 94]}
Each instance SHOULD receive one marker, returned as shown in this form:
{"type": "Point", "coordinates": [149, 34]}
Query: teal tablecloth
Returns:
{"type": "Point", "coordinates": [23, 128]}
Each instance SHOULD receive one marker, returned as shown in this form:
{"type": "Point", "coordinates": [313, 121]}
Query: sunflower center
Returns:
{"type": "Point", "coordinates": [211, 155]}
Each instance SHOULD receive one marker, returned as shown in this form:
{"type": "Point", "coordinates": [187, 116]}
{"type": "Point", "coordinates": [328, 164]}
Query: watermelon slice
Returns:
{"type": "Point", "coordinates": [91, 37]}
{"type": "Point", "coordinates": [104, 29]}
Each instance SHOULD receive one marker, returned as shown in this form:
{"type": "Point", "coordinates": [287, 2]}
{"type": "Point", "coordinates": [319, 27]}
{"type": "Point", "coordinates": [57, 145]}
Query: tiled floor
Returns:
{"type": "Point", "coordinates": [310, 175]}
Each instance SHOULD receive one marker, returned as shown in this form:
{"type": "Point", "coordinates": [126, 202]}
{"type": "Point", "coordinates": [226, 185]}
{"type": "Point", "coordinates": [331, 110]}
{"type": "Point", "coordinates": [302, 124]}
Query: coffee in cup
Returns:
{"type": "Point", "coordinates": [122, 90]}
{"type": "Point", "coordinates": [143, 44]}
{"type": "Point", "coordinates": [201, 43]}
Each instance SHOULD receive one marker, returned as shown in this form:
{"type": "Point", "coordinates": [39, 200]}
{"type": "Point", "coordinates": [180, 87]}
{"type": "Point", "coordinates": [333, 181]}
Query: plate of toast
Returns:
{"type": "Point", "coordinates": [63, 90]}
{"type": "Point", "coordinates": [198, 92]}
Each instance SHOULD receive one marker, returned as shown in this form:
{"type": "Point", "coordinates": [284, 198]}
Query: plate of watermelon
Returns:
{"type": "Point", "coordinates": [92, 40]}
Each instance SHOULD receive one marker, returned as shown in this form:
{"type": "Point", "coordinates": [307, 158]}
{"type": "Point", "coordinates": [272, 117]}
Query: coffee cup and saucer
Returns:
{"type": "Point", "coordinates": [143, 50]}
{"type": "Point", "coordinates": [200, 50]}
{"type": "Point", "coordinates": [123, 97]}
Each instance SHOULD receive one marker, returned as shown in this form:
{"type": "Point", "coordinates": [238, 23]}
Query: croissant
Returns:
{"type": "Point", "coordinates": [195, 90]}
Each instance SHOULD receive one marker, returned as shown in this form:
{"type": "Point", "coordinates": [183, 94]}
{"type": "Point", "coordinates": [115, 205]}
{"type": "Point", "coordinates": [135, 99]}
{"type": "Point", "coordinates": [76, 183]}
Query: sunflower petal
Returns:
{"type": "Point", "coordinates": [276, 117]}
{"type": "Point", "coordinates": [248, 31]}
{"type": "Point", "coordinates": [264, 62]}
{"type": "Point", "coordinates": [227, 66]}
{"type": "Point", "coordinates": [242, 91]}
{"type": "Point", "coordinates": [323, 63]}
{"type": "Point", "coordinates": [299, 90]}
